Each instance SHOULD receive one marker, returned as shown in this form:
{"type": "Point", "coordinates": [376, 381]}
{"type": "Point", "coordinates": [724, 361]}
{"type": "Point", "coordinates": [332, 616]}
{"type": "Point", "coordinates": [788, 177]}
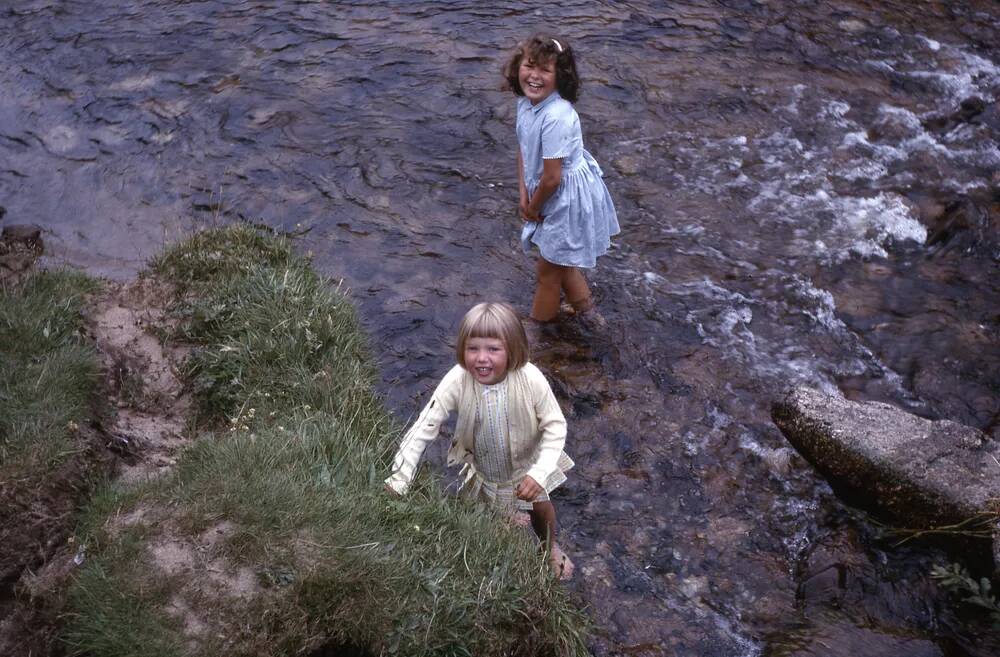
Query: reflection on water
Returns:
{"type": "Point", "coordinates": [808, 194]}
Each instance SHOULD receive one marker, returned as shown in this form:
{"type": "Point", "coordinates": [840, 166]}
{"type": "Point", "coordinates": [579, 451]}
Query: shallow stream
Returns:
{"type": "Point", "coordinates": [809, 193]}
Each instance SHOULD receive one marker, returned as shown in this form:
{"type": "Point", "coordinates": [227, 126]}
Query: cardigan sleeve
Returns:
{"type": "Point", "coordinates": [551, 427]}
{"type": "Point", "coordinates": [424, 430]}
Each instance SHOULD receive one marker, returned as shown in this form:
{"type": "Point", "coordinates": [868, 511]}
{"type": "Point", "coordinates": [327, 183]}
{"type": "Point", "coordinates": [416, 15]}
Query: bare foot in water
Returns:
{"type": "Point", "coordinates": [560, 562]}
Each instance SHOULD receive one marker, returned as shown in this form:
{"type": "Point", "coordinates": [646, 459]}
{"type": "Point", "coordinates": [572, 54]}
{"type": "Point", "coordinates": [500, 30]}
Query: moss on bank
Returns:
{"type": "Point", "coordinates": [273, 535]}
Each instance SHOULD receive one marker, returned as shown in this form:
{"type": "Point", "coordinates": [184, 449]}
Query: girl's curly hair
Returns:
{"type": "Point", "coordinates": [543, 48]}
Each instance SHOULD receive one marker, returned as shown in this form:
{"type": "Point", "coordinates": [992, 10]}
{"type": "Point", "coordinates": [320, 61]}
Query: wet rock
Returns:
{"type": "Point", "coordinates": [626, 453]}
{"type": "Point", "coordinates": [20, 246]}
{"type": "Point", "coordinates": [968, 112]}
{"type": "Point", "coordinates": [843, 640]}
{"type": "Point", "coordinates": [834, 570]}
{"type": "Point", "coordinates": [929, 210]}
{"type": "Point", "coordinates": [16, 262]}
{"type": "Point", "coordinates": [926, 473]}
{"type": "Point", "coordinates": [962, 224]}
{"type": "Point", "coordinates": [28, 235]}
{"type": "Point", "coordinates": [826, 586]}
{"type": "Point", "coordinates": [628, 165]}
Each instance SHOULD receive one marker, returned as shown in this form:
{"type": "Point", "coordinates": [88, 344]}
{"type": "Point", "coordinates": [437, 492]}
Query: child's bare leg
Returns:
{"type": "Point", "coordinates": [577, 291]}
{"type": "Point", "coordinates": [543, 521]}
{"type": "Point", "coordinates": [549, 283]}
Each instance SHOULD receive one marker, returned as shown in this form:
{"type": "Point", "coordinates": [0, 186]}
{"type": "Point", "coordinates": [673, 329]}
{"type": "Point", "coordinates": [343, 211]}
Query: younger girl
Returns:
{"type": "Point", "coordinates": [510, 431]}
{"type": "Point", "coordinates": [568, 210]}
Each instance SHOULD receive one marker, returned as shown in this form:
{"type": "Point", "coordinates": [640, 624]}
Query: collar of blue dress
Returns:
{"type": "Point", "coordinates": [552, 96]}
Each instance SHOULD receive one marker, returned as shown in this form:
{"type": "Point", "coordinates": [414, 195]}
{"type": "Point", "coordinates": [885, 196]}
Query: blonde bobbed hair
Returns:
{"type": "Point", "coordinates": [494, 320]}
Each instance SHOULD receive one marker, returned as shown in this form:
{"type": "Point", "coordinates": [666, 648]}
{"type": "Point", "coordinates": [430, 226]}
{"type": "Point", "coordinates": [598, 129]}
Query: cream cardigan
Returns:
{"type": "Point", "coordinates": [536, 423]}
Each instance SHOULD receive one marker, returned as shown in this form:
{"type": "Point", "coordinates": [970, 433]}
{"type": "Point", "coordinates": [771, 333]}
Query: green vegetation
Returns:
{"type": "Point", "coordinates": [47, 372]}
{"type": "Point", "coordinates": [273, 534]}
{"type": "Point", "coordinates": [956, 579]}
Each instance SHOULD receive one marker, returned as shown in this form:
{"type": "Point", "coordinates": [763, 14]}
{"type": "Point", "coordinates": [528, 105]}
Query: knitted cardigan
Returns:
{"type": "Point", "coordinates": [536, 423]}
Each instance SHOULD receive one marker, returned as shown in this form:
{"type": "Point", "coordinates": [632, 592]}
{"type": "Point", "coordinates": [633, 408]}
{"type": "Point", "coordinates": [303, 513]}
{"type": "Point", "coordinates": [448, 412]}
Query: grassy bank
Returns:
{"type": "Point", "coordinates": [273, 535]}
{"type": "Point", "coordinates": [47, 371]}
{"type": "Point", "coordinates": [50, 451]}
{"type": "Point", "coordinates": [47, 381]}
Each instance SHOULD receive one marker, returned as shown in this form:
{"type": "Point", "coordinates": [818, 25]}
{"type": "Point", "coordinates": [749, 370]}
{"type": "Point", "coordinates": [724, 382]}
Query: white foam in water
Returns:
{"type": "Point", "coordinates": [735, 318]}
{"type": "Point", "coordinates": [793, 105]}
{"type": "Point", "coordinates": [916, 139]}
{"type": "Point", "coordinates": [900, 114]}
{"type": "Point", "coordinates": [653, 278]}
{"type": "Point", "coordinates": [724, 324]}
{"type": "Point", "coordinates": [880, 65]}
{"type": "Point", "coordinates": [858, 137]}
{"type": "Point", "coordinates": [974, 76]}
{"type": "Point", "coordinates": [931, 43]}
{"type": "Point", "coordinates": [801, 510]}
{"type": "Point", "coordinates": [865, 170]}
{"type": "Point", "coordinates": [870, 222]}
{"type": "Point", "coordinates": [834, 112]}
{"type": "Point", "coordinates": [825, 313]}
{"type": "Point", "coordinates": [775, 349]}
{"type": "Point", "coordinates": [805, 188]}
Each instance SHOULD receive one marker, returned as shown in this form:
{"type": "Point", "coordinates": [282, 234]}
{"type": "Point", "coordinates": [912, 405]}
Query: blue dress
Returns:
{"type": "Point", "coordinates": [579, 218]}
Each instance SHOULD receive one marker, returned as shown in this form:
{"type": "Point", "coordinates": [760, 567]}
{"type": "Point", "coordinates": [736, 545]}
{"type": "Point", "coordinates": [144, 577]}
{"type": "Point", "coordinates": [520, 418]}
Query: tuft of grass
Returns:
{"type": "Point", "coordinates": [219, 253]}
{"type": "Point", "coordinates": [979, 526]}
{"type": "Point", "coordinates": [290, 544]}
{"type": "Point", "coordinates": [124, 615]}
{"type": "Point", "coordinates": [47, 371]}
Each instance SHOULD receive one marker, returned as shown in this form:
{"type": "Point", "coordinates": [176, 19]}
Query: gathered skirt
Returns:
{"type": "Point", "coordinates": [501, 493]}
{"type": "Point", "coordinates": [578, 220]}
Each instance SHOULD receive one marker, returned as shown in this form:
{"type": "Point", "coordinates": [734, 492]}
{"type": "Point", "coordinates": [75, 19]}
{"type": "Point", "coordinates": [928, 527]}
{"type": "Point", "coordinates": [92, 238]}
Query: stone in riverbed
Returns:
{"type": "Point", "coordinates": [926, 473]}
{"type": "Point", "coordinates": [20, 246]}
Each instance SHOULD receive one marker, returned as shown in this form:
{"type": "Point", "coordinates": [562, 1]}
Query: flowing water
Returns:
{"type": "Point", "coordinates": [809, 193]}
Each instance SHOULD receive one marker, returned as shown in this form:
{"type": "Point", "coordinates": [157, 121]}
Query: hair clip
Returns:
{"type": "Point", "coordinates": [558, 45]}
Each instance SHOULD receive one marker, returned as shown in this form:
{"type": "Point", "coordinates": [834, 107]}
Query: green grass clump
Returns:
{"type": "Point", "coordinates": [956, 579]}
{"type": "Point", "coordinates": [282, 494]}
{"type": "Point", "coordinates": [47, 371]}
{"type": "Point", "coordinates": [212, 255]}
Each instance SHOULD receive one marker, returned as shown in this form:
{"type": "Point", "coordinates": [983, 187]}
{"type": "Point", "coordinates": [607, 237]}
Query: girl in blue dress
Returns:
{"type": "Point", "coordinates": [566, 207]}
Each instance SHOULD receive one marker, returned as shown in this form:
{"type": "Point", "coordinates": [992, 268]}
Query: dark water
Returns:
{"type": "Point", "coordinates": [809, 193]}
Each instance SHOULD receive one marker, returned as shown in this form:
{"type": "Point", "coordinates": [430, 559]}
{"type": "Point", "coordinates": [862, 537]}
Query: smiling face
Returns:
{"type": "Point", "coordinates": [486, 360]}
{"type": "Point", "coordinates": [537, 78]}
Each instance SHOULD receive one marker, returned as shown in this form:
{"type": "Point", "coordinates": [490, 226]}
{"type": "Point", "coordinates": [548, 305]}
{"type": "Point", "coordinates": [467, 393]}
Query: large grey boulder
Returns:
{"type": "Point", "coordinates": [925, 473]}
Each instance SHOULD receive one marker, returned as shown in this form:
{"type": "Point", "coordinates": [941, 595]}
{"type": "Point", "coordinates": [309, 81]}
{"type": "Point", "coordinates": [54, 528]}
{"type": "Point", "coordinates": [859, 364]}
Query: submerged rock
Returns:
{"type": "Point", "coordinates": [925, 473]}
{"type": "Point", "coordinates": [20, 246]}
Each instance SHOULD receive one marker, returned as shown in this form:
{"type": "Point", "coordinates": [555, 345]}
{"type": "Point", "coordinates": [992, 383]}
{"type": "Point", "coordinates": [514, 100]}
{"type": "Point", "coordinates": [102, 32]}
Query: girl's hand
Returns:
{"type": "Point", "coordinates": [530, 215]}
{"type": "Point", "coordinates": [528, 489]}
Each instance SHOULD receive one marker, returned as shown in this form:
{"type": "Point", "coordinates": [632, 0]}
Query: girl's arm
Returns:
{"type": "Point", "coordinates": [552, 426]}
{"type": "Point", "coordinates": [423, 431]}
{"type": "Point", "coordinates": [547, 185]}
{"type": "Point", "coordinates": [521, 187]}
